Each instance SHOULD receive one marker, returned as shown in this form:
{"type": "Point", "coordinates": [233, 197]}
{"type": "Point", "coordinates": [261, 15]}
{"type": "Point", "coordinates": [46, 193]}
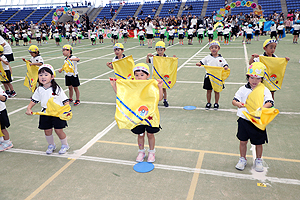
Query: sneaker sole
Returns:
{"type": "Point", "coordinates": [7, 148]}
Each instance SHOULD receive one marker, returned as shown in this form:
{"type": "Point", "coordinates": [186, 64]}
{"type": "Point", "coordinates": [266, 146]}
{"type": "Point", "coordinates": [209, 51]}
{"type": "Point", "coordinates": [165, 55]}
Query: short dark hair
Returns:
{"type": "Point", "coordinates": [141, 71]}
{"type": "Point", "coordinates": [247, 78]}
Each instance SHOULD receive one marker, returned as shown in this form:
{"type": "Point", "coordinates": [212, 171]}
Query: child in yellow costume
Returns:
{"type": "Point", "coordinates": [246, 129]}
{"type": "Point", "coordinates": [213, 59]}
{"type": "Point", "coordinates": [50, 90]}
{"type": "Point", "coordinates": [160, 48]}
{"type": "Point", "coordinates": [269, 47]}
{"type": "Point", "coordinates": [141, 72]}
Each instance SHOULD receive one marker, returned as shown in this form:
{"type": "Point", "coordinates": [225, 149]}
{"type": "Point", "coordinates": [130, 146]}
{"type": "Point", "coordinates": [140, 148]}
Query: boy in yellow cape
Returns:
{"type": "Point", "coordinates": [213, 59]}
{"type": "Point", "coordinates": [163, 68]}
{"type": "Point", "coordinates": [275, 70]}
{"type": "Point", "coordinates": [137, 108]}
{"type": "Point", "coordinates": [247, 129]}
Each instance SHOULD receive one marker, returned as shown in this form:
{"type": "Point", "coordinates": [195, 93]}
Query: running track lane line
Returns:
{"type": "Point", "coordinates": [195, 177]}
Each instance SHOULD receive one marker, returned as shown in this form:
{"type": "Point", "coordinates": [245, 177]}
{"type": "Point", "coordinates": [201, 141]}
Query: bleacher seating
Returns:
{"type": "Point", "coordinates": [292, 4]}
{"type": "Point", "coordinates": [167, 7]}
{"type": "Point", "coordinates": [214, 5]}
{"type": "Point", "coordinates": [7, 14]}
{"type": "Point", "coordinates": [147, 9]}
{"type": "Point", "coordinates": [48, 18]}
{"type": "Point", "coordinates": [127, 10]}
{"type": "Point", "coordinates": [197, 7]}
{"type": "Point", "coordinates": [38, 15]}
{"type": "Point", "coordinates": [270, 6]}
{"type": "Point", "coordinates": [105, 12]}
{"type": "Point", "coordinates": [21, 15]}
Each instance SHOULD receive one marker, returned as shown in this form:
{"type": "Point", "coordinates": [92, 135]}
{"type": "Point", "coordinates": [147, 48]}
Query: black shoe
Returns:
{"type": "Point", "coordinates": [166, 104]}
{"type": "Point", "coordinates": [208, 106]}
{"type": "Point", "coordinates": [216, 106]}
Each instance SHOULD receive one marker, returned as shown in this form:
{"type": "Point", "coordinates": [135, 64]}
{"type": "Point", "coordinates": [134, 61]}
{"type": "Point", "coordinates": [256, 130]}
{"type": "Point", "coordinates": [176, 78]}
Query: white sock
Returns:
{"type": "Point", "coordinates": [1, 139]}
{"type": "Point", "coordinates": [64, 141]}
{"type": "Point", "coordinates": [50, 139]}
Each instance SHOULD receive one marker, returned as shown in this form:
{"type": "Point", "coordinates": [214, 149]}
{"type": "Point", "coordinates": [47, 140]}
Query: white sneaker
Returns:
{"type": "Point", "coordinates": [50, 149]}
{"type": "Point", "coordinates": [141, 156]}
{"type": "Point", "coordinates": [259, 165]}
{"type": "Point", "coordinates": [241, 164]}
{"type": "Point", "coordinates": [64, 149]}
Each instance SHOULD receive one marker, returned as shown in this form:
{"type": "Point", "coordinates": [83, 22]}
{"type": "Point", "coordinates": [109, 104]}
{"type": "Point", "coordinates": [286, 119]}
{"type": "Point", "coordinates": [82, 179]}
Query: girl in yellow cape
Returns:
{"type": "Point", "coordinates": [246, 129]}
{"type": "Point", "coordinates": [50, 89]}
{"type": "Point", "coordinates": [141, 72]}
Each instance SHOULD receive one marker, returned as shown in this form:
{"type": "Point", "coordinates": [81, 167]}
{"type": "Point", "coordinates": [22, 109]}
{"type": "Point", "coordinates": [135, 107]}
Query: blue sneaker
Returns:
{"type": "Point", "coordinates": [5, 145]}
{"type": "Point", "coordinates": [50, 149]}
{"type": "Point", "coordinates": [64, 149]}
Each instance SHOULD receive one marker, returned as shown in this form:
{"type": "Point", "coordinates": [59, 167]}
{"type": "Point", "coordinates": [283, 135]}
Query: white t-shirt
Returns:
{"type": "Point", "coordinates": [7, 48]}
{"type": "Point", "coordinates": [201, 31]}
{"type": "Point", "coordinates": [218, 61]}
{"type": "Point", "coordinates": [5, 67]}
{"type": "Point", "coordinates": [37, 59]}
{"type": "Point", "coordinates": [38, 34]}
{"type": "Point", "coordinates": [171, 32]}
{"type": "Point", "coordinates": [43, 95]}
{"type": "Point", "coordinates": [2, 103]}
{"type": "Point", "coordinates": [149, 28]}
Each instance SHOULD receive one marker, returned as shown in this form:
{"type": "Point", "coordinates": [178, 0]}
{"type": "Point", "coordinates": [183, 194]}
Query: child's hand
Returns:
{"type": "Point", "coordinates": [30, 64]}
{"type": "Point", "coordinates": [149, 55]}
{"type": "Point", "coordinates": [160, 82]}
{"type": "Point", "coordinates": [287, 58]}
{"type": "Point", "coordinates": [109, 65]}
{"type": "Point", "coordinates": [226, 67]}
{"type": "Point", "coordinates": [24, 59]}
{"type": "Point", "coordinates": [255, 55]}
{"type": "Point", "coordinates": [198, 64]}
{"type": "Point", "coordinates": [60, 70]}
{"type": "Point", "coordinates": [28, 112]}
{"type": "Point", "coordinates": [174, 56]}
{"type": "Point", "coordinates": [240, 104]}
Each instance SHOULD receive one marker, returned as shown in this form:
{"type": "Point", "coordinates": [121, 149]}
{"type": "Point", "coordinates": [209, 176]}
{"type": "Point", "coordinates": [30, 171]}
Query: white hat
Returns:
{"type": "Point", "coordinates": [47, 66]}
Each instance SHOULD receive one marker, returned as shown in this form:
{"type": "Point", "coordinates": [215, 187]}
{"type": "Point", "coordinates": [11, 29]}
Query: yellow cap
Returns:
{"type": "Point", "coordinates": [214, 43]}
{"type": "Point", "coordinates": [67, 47]}
{"type": "Point", "coordinates": [257, 69]}
{"type": "Point", "coordinates": [33, 49]}
{"type": "Point", "coordinates": [1, 48]}
{"type": "Point", "coordinates": [160, 44]}
{"type": "Point", "coordinates": [118, 46]}
{"type": "Point", "coordinates": [269, 41]}
{"type": "Point", "coordinates": [141, 66]}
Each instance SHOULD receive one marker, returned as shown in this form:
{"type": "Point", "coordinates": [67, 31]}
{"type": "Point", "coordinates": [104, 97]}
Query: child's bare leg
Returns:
{"type": "Point", "coordinates": [141, 141]}
{"type": "Point", "coordinates": [217, 97]}
{"type": "Point", "coordinates": [10, 86]}
{"type": "Point", "coordinates": [5, 133]}
{"type": "Point", "coordinates": [259, 150]}
{"type": "Point", "coordinates": [6, 86]}
{"type": "Point", "coordinates": [70, 92]}
{"type": "Point", "coordinates": [273, 95]}
{"type": "Point", "coordinates": [208, 95]}
{"type": "Point", "coordinates": [165, 93]}
{"type": "Point", "coordinates": [60, 133]}
{"type": "Point", "coordinates": [77, 93]}
{"type": "Point", "coordinates": [151, 140]}
{"type": "Point", "coordinates": [243, 148]}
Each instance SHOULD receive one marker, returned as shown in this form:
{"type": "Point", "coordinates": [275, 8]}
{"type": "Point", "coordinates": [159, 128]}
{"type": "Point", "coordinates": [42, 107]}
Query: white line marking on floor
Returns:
{"type": "Point", "coordinates": [161, 166]}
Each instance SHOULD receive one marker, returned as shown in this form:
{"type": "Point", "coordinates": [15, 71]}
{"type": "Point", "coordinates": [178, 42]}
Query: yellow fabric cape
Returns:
{"type": "Point", "coordinates": [217, 76]}
{"type": "Point", "coordinates": [275, 71]}
{"type": "Point", "coordinates": [124, 68]}
{"type": "Point", "coordinates": [165, 68]}
{"type": "Point", "coordinates": [31, 77]}
{"type": "Point", "coordinates": [55, 110]}
{"type": "Point", "coordinates": [68, 66]}
{"type": "Point", "coordinates": [259, 115]}
{"type": "Point", "coordinates": [3, 76]}
{"type": "Point", "coordinates": [137, 103]}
